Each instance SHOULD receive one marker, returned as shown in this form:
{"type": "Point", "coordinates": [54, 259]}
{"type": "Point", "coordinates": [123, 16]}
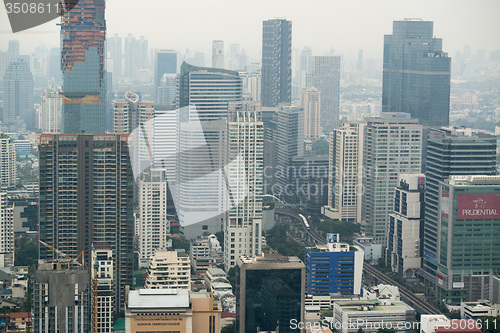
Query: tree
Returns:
{"type": "Point", "coordinates": [26, 252]}
{"type": "Point", "coordinates": [231, 328]}
{"type": "Point", "coordinates": [360, 330]}
{"type": "Point", "coordinates": [181, 243]}
{"type": "Point", "coordinates": [386, 330]}
{"type": "Point", "coordinates": [320, 147]}
{"type": "Point", "coordinates": [220, 238]}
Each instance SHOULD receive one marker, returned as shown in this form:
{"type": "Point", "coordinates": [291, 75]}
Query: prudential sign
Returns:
{"type": "Point", "coordinates": [478, 206]}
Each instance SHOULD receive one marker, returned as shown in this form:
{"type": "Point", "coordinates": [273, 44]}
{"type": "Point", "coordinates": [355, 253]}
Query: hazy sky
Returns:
{"type": "Point", "coordinates": [346, 25]}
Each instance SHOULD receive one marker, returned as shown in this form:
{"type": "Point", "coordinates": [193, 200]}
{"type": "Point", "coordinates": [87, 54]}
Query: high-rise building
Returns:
{"type": "Point", "coordinates": [209, 90]}
{"type": "Point", "coordinates": [55, 65]}
{"type": "Point", "coordinates": [165, 63]}
{"type": "Point", "coordinates": [416, 73]}
{"type": "Point", "coordinates": [451, 152]}
{"type": "Point", "coordinates": [218, 54]}
{"type": "Point", "coordinates": [167, 90]}
{"type": "Point", "coordinates": [269, 293]}
{"type": "Point", "coordinates": [86, 196]}
{"type": "Point", "coordinates": [345, 176]}
{"type": "Point", "coordinates": [392, 145]}
{"type": "Point", "coordinates": [325, 76]}
{"type": "Point", "coordinates": [115, 48]}
{"type": "Point", "coordinates": [135, 56]}
{"type": "Point", "coordinates": [404, 244]}
{"type": "Point", "coordinates": [289, 139]}
{"type": "Point", "coordinates": [169, 270]}
{"type": "Point", "coordinates": [8, 169]}
{"type": "Point", "coordinates": [304, 66]}
{"type": "Point", "coordinates": [311, 103]}
{"type": "Point", "coordinates": [18, 111]}
{"type": "Point", "coordinates": [467, 242]}
{"type": "Point", "coordinates": [61, 298]}
{"type": "Point", "coordinates": [243, 224]}
{"type": "Point", "coordinates": [83, 32]}
{"type": "Point", "coordinates": [51, 110]}
{"type": "Point", "coordinates": [251, 86]}
{"type": "Point", "coordinates": [276, 62]}
{"type": "Point", "coordinates": [103, 288]}
{"type": "Point", "coordinates": [154, 224]}
{"type": "Point", "coordinates": [7, 248]}
{"type": "Point", "coordinates": [333, 269]}
{"type": "Point", "coordinates": [13, 50]}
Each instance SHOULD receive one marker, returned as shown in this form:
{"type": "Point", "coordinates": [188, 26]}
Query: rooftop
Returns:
{"type": "Point", "coordinates": [158, 299]}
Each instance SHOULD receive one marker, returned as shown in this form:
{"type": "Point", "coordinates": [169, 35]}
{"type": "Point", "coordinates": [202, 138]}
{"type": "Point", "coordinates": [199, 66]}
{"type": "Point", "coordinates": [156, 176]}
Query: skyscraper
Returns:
{"type": "Point", "coordinates": [245, 144]}
{"type": "Point", "coordinates": [13, 51]}
{"type": "Point", "coordinates": [8, 170]}
{"type": "Point", "coordinates": [311, 103]}
{"type": "Point", "coordinates": [86, 196]}
{"type": "Point", "coordinates": [165, 63]}
{"type": "Point", "coordinates": [115, 48]}
{"type": "Point", "coordinates": [451, 152]}
{"type": "Point", "coordinates": [325, 76]}
{"type": "Point", "coordinates": [276, 62]}
{"type": "Point", "coordinates": [345, 177]}
{"type": "Point", "coordinates": [18, 112]}
{"type": "Point", "coordinates": [135, 56]}
{"type": "Point", "coordinates": [83, 31]}
{"type": "Point", "coordinates": [209, 90]}
{"type": "Point", "coordinates": [392, 145]}
{"type": "Point", "coordinates": [218, 54]}
{"type": "Point", "coordinates": [6, 232]}
{"type": "Point", "coordinates": [416, 73]}
{"type": "Point", "coordinates": [51, 110]}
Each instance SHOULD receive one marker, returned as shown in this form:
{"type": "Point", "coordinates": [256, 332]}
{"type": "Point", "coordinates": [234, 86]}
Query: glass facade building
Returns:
{"type": "Point", "coordinates": [269, 293]}
{"type": "Point", "coordinates": [276, 62]}
{"type": "Point", "coordinates": [83, 32]}
{"type": "Point", "coordinates": [416, 75]}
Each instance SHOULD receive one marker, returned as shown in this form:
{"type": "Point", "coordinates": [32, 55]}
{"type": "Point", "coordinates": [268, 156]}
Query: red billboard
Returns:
{"type": "Point", "coordinates": [478, 206]}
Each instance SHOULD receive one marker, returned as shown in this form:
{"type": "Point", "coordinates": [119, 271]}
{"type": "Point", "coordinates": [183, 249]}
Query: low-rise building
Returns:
{"type": "Point", "coordinates": [169, 269]}
{"type": "Point", "coordinates": [429, 323]}
{"type": "Point", "coordinates": [20, 320]}
{"type": "Point", "coordinates": [171, 310]}
{"type": "Point", "coordinates": [475, 310]}
{"type": "Point", "coordinates": [371, 249]}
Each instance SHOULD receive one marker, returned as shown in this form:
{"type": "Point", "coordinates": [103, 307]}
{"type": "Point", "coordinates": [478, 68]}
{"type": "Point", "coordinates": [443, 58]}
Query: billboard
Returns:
{"type": "Point", "coordinates": [478, 206]}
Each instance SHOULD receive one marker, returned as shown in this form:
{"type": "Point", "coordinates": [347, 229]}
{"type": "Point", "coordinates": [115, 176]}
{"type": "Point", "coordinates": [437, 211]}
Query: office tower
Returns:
{"type": "Point", "coordinates": [83, 31]}
{"type": "Point", "coordinates": [18, 111]}
{"type": "Point", "coordinates": [304, 66]}
{"type": "Point", "coordinates": [169, 269]}
{"type": "Point", "coordinates": [132, 116]}
{"type": "Point", "coordinates": [165, 63]}
{"type": "Point", "coordinates": [251, 86]}
{"type": "Point", "coordinates": [86, 196]}
{"type": "Point", "coordinates": [165, 139]}
{"type": "Point", "coordinates": [13, 51]}
{"type": "Point", "coordinates": [289, 139]}
{"type": "Point", "coordinates": [416, 73]}
{"type": "Point", "coordinates": [154, 224]}
{"type": "Point", "coordinates": [8, 162]}
{"type": "Point", "coordinates": [392, 145]}
{"type": "Point", "coordinates": [115, 48]}
{"type": "Point", "coordinates": [345, 177]}
{"type": "Point", "coordinates": [404, 244]}
{"type": "Point", "coordinates": [51, 109]}
{"type": "Point", "coordinates": [270, 120]}
{"type": "Point", "coordinates": [311, 103]}
{"type": "Point", "coordinates": [135, 56]}
{"type": "Point", "coordinates": [325, 76]}
{"type": "Point", "coordinates": [7, 247]}
{"type": "Point", "coordinates": [467, 242]}
{"type": "Point", "coordinates": [55, 65]}
{"type": "Point", "coordinates": [269, 293]}
{"type": "Point", "coordinates": [61, 298]}
{"type": "Point", "coordinates": [276, 62]}
{"type": "Point", "coordinates": [451, 152]}
{"type": "Point", "coordinates": [218, 54]}
{"type": "Point", "coordinates": [167, 90]}
{"type": "Point", "coordinates": [209, 90]}
{"type": "Point", "coordinates": [333, 269]}
{"type": "Point", "coordinates": [103, 295]}
{"type": "Point", "coordinates": [243, 224]}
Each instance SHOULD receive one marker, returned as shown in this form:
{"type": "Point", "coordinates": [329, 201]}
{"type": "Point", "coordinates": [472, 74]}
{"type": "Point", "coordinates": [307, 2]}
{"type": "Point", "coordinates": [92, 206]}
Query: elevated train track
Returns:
{"type": "Point", "coordinates": [409, 297]}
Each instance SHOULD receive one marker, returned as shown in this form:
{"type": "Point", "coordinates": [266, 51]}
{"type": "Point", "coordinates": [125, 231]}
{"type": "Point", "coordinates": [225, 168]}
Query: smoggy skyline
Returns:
{"type": "Point", "coordinates": [346, 26]}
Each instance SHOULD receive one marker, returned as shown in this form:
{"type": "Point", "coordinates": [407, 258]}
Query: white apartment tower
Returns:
{"type": "Point", "coordinates": [392, 146]}
{"type": "Point", "coordinates": [245, 148]}
{"type": "Point", "coordinates": [218, 54]}
{"type": "Point", "coordinates": [6, 232]}
{"type": "Point", "coordinates": [154, 226]}
{"type": "Point", "coordinates": [345, 177]}
{"type": "Point", "coordinates": [169, 269]}
{"type": "Point", "coordinates": [103, 297]}
{"type": "Point", "coordinates": [51, 110]}
{"type": "Point", "coordinates": [311, 103]}
{"type": "Point", "coordinates": [8, 170]}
